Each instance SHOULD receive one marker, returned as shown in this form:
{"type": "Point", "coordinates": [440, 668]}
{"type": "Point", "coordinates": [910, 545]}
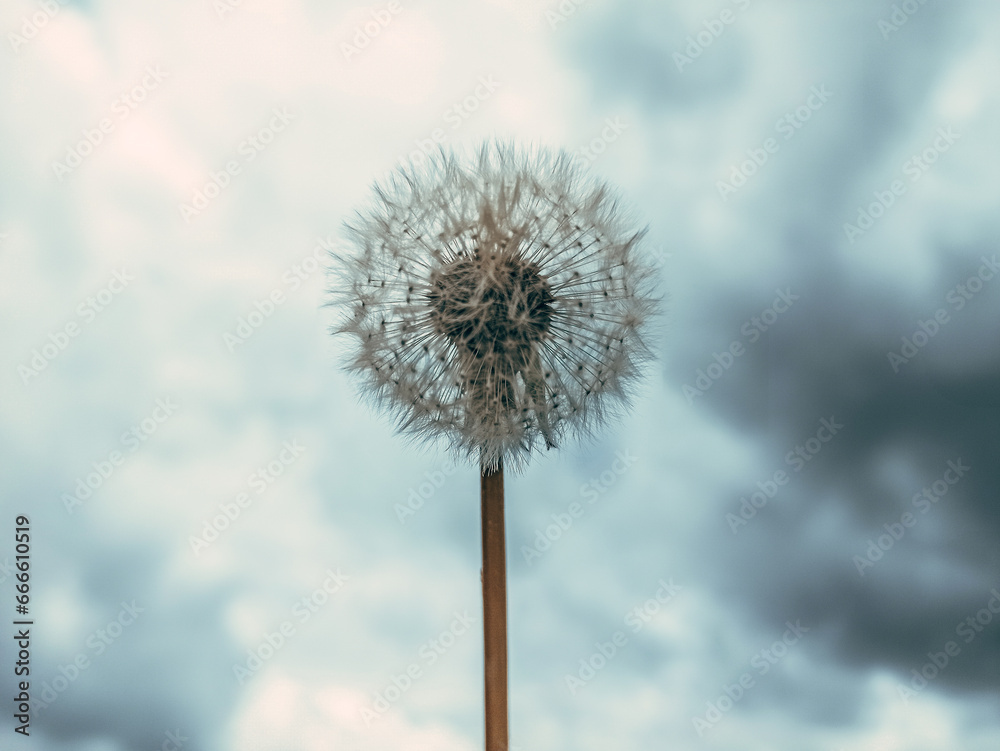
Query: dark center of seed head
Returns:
{"type": "Point", "coordinates": [492, 305]}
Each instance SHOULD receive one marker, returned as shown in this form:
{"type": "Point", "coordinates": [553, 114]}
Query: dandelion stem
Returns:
{"type": "Point", "coordinates": [494, 608]}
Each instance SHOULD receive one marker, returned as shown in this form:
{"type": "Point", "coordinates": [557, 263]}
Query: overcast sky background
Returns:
{"type": "Point", "coordinates": [557, 75]}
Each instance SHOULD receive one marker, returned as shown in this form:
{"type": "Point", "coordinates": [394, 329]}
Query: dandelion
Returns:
{"type": "Point", "coordinates": [500, 305]}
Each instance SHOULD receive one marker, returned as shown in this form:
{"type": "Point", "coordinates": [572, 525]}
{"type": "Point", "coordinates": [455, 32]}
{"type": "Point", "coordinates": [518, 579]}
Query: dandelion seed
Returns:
{"type": "Point", "coordinates": [505, 274]}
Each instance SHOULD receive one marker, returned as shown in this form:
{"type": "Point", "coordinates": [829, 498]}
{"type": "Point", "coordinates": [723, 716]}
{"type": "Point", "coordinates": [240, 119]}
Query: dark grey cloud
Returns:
{"type": "Point", "coordinates": [827, 356]}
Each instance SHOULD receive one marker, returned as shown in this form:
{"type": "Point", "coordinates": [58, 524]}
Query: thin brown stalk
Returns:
{"type": "Point", "coordinates": [494, 608]}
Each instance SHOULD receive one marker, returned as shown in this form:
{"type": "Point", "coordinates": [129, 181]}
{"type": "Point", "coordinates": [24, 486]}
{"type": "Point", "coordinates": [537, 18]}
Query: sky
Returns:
{"type": "Point", "coordinates": [789, 543]}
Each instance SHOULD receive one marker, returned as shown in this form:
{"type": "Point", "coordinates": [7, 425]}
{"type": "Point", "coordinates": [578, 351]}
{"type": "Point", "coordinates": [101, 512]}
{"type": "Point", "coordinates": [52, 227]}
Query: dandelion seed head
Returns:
{"type": "Point", "coordinates": [500, 303]}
